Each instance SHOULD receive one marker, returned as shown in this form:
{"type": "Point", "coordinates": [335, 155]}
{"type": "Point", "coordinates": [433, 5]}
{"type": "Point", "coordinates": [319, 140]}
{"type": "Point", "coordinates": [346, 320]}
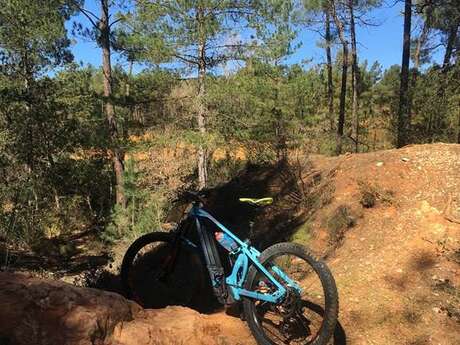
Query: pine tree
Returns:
{"type": "Point", "coordinates": [204, 35]}
{"type": "Point", "coordinates": [340, 25]}
{"type": "Point", "coordinates": [100, 30]}
{"type": "Point", "coordinates": [403, 111]}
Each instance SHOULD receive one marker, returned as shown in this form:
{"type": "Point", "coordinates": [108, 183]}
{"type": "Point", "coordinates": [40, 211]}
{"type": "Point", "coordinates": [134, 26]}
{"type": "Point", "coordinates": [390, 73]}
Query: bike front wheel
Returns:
{"type": "Point", "coordinates": [306, 317]}
{"type": "Point", "coordinates": [158, 270]}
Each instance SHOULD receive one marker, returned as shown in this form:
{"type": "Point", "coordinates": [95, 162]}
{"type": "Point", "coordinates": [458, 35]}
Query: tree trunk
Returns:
{"type": "Point", "coordinates": [280, 130]}
{"type": "Point", "coordinates": [201, 113]}
{"type": "Point", "coordinates": [403, 130]}
{"type": "Point", "coordinates": [130, 74]}
{"type": "Point", "coordinates": [422, 40]}
{"type": "Point", "coordinates": [418, 47]}
{"type": "Point", "coordinates": [444, 81]}
{"type": "Point", "coordinates": [343, 95]}
{"type": "Point", "coordinates": [450, 45]}
{"type": "Point", "coordinates": [343, 89]}
{"type": "Point", "coordinates": [330, 85]}
{"type": "Point", "coordinates": [355, 75]}
{"type": "Point", "coordinates": [116, 153]}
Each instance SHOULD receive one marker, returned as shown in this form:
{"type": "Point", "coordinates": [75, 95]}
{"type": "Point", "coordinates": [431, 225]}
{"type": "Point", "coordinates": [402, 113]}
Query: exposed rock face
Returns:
{"type": "Point", "coordinates": [45, 312]}
{"type": "Point", "coordinates": [35, 311]}
{"type": "Point", "coordinates": [182, 326]}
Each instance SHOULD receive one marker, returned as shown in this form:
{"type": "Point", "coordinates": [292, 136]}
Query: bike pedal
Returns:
{"type": "Point", "coordinates": [242, 316]}
{"type": "Point", "coordinates": [234, 309]}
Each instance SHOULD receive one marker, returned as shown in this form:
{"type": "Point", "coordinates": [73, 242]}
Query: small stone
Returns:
{"type": "Point", "coordinates": [405, 159]}
{"type": "Point", "coordinates": [399, 270]}
{"type": "Point", "coordinates": [436, 310]}
{"type": "Point", "coordinates": [379, 164]}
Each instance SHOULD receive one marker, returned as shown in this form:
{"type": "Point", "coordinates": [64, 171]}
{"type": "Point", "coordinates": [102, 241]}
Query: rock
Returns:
{"type": "Point", "coordinates": [46, 312]}
{"type": "Point", "coordinates": [379, 164]}
{"type": "Point", "coordinates": [36, 311]}
{"type": "Point", "coordinates": [179, 325]}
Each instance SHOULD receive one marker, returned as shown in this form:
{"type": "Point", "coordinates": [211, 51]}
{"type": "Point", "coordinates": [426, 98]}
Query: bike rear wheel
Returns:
{"type": "Point", "coordinates": [158, 271]}
{"type": "Point", "coordinates": [302, 318]}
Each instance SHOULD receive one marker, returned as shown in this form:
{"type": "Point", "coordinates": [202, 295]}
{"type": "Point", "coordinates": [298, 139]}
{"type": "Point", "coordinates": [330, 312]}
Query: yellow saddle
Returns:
{"type": "Point", "coordinates": [257, 202]}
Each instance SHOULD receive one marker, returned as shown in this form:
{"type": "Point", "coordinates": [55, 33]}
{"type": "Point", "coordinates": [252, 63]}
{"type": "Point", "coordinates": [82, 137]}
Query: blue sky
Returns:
{"type": "Point", "coordinates": [382, 43]}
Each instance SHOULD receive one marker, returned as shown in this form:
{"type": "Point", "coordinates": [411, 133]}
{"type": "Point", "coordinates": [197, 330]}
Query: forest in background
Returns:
{"type": "Point", "coordinates": [71, 136]}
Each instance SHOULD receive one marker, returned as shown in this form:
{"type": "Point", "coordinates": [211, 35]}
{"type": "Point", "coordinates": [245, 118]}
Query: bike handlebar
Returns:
{"type": "Point", "coordinates": [194, 196]}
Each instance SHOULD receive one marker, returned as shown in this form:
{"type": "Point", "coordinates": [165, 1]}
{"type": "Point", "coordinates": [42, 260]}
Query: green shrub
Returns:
{"type": "Point", "coordinates": [223, 170]}
{"type": "Point", "coordinates": [302, 234]}
{"type": "Point", "coordinates": [144, 211]}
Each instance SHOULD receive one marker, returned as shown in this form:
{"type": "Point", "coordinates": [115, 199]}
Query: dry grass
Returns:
{"type": "Point", "coordinates": [339, 222]}
{"type": "Point", "coordinates": [371, 194]}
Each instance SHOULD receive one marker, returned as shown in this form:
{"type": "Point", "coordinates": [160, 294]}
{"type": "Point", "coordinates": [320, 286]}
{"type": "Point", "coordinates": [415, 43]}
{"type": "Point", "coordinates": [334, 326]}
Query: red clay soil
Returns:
{"type": "Point", "coordinates": [396, 263]}
{"type": "Point", "coordinates": [397, 269]}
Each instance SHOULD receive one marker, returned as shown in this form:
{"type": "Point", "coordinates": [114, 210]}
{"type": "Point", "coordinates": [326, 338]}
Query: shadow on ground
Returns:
{"type": "Point", "coordinates": [63, 255]}
{"type": "Point", "coordinates": [340, 337]}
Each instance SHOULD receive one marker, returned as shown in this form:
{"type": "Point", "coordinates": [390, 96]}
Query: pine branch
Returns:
{"type": "Point", "coordinates": [88, 14]}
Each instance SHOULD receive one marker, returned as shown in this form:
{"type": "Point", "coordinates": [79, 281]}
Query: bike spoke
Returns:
{"type": "Point", "coordinates": [294, 324]}
{"type": "Point", "coordinates": [158, 279]}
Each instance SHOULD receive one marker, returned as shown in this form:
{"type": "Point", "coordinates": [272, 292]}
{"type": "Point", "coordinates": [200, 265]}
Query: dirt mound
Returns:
{"type": "Point", "coordinates": [37, 311]}
{"type": "Point", "coordinates": [392, 235]}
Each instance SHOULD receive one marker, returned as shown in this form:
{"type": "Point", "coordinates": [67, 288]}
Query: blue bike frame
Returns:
{"type": "Point", "coordinates": [248, 255]}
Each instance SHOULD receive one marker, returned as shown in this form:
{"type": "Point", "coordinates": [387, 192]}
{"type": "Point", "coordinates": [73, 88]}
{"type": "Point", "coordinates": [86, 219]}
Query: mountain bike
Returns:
{"type": "Point", "coordinates": [288, 296]}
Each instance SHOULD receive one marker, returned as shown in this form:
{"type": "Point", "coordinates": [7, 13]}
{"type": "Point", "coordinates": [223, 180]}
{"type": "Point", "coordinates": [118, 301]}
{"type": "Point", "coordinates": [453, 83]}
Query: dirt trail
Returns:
{"type": "Point", "coordinates": [391, 235]}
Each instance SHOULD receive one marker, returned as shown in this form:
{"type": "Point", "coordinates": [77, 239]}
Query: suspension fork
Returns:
{"type": "Point", "coordinates": [170, 262]}
{"type": "Point", "coordinates": [213, 263]}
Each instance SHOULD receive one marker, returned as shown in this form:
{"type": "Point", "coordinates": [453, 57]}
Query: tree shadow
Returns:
{"type": "Point", "coordinates": [423, 261]}
{"type": "Point", "coordinates": [267, 225]}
